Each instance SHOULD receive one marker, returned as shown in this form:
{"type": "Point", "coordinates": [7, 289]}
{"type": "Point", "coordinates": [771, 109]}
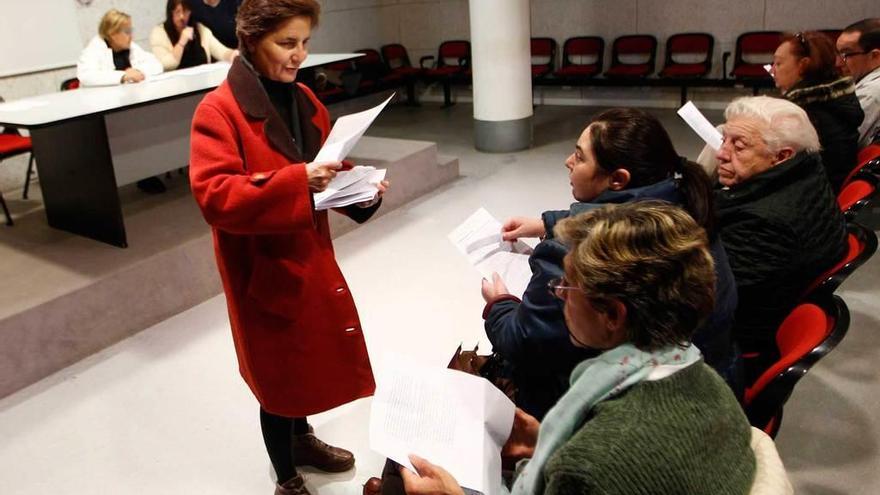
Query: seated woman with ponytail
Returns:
{"type": "Point", "coordinates": [623, 155]}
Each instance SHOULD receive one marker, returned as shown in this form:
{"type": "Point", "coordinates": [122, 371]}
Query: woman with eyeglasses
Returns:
{"type": "Point", "coordinates": [805, 71]}
{"type": "Point", "coordinates": [112, 57]}
{"type": "Point", "coordinates": [180, 42]}
{"type": "Point", "coordinates": [624, 155]}
{"type": "Point", "coordinates": [646, 415]}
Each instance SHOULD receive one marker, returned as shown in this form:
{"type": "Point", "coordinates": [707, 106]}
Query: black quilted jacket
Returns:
{"type": "Point", "coordinates": [781, 230]}
{"type": "Point", "coordinates": [836, 114]}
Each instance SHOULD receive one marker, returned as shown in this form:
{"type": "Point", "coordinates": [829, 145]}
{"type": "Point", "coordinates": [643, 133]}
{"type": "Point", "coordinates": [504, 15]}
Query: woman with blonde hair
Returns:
{"type": "Point", "coordinates": [646, 415]}
{"type": "Point", "coordinates": [180, 42]}
{"type": "Point", "coordinates": [111, 57]}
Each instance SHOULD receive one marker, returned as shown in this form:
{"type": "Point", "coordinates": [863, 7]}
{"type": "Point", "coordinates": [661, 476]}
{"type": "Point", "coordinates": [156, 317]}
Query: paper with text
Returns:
{"type": "Point", "coordinates": [479, 238]}
{"type": "Point", "coordinates": [452, 419]}
{"type": "Point", "coordinates": [701, 125]}
{"type": "Point", "coordinates": [346, 132]}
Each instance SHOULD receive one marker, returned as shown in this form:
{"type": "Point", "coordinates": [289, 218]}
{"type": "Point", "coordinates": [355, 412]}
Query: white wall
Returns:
{"type": "Point", "coordinates": [421, 25]}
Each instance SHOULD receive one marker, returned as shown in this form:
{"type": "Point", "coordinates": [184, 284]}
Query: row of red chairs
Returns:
{"type": "Point", "coordinates": [817, 325]}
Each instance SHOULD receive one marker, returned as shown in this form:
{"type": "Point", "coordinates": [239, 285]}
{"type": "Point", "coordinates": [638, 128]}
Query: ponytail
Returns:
{"type": "Point", "coordinates": [699, 199]}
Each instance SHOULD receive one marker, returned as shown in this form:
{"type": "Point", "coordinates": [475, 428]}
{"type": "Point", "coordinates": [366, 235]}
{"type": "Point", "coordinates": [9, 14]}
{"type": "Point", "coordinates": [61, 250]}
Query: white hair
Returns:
{"type": "Point", "coordinates": [785, 123]}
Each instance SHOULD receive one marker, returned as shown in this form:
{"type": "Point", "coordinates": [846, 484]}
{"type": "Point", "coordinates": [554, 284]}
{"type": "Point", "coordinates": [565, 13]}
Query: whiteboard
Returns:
{"type": "Point", "coordinates": [38, 35]}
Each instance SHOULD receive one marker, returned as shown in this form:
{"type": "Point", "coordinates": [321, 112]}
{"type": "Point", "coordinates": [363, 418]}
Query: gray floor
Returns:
{"type": "Point", "coordinates": [165, 412]}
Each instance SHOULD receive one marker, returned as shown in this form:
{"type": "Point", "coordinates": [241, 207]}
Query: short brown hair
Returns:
{"type": "Point", "coordinates": [112, 22]}
{"type": "Point", "coordinates": [257, 18]}
{"type": "Point", "coordinates": [821, 52]}
{"type": "Point", "coordinates": [652, 257]}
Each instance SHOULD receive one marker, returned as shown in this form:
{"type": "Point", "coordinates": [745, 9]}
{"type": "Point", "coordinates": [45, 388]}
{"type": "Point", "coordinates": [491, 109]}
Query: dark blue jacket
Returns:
{"type": "Point", "coordinates": [532, 336]}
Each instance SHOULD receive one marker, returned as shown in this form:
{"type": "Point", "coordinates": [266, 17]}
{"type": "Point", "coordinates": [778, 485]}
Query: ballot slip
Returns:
{"type": "Point", "coordinates": [452, 419]}
{"type": "Point", "coordinates": [479, 239]}
{"type": "Point", "coordinates": [701, 125]}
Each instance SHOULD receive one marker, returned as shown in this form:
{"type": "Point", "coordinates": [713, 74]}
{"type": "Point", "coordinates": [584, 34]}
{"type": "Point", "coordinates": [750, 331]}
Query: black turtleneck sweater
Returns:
{"type": "Point", "coordinates": [283, 98]}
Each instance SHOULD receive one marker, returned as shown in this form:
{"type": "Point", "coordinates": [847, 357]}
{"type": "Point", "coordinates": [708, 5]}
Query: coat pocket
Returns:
{"type": "Point", "coordinates": [277, 285]}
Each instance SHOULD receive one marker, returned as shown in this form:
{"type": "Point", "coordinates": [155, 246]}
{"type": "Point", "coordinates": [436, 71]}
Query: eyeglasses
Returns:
{"type": "Point", "coordinates": [844, 56]}
{"type": "Point", "coordinates": [557, 285]}
{"type": "Point", "coordinates": [125, 30]}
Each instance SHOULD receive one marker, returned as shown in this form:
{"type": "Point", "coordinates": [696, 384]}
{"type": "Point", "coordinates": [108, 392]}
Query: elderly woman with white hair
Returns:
{"type": "Point", "coordinates": [778, 217]}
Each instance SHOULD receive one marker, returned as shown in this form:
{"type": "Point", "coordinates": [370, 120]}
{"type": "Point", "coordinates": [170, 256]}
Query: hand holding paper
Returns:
{"type": "Point", "coordinates": [357, 185]}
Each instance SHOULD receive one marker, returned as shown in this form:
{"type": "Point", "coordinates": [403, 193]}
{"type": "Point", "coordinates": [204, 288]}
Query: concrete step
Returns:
{"type": "Point", "coordinates": [66, 297]}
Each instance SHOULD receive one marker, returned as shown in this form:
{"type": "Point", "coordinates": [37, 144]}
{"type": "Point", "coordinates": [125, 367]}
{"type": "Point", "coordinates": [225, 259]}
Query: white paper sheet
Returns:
{"type": "Point", "coordinates": [479, 238]}
{"type": "Point", "coordinates": [346, 132]}
{"type": "Point", "coordinates": [768, 68]}
{"type": "Point", "coordinates": [452, 419]}
{"type": "Point", "coordinates": [701, 125]}
{"type": "Point", "coordinates": [349, 187]}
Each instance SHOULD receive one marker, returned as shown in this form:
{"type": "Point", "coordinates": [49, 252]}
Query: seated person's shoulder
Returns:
{"type": "Point", "coordinates": [678, 433]}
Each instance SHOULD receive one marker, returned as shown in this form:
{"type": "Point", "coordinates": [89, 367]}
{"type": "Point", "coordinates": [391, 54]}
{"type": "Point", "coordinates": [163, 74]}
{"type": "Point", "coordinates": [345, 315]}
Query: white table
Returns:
{"type": "Point", "coordinates": [90, 141]}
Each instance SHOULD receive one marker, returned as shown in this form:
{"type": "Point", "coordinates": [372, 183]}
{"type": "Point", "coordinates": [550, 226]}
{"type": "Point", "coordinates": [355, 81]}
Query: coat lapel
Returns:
{"type": "Point", "coordinates": [254, 102]}
{"type": "Point", "coordinates": [311, 134]}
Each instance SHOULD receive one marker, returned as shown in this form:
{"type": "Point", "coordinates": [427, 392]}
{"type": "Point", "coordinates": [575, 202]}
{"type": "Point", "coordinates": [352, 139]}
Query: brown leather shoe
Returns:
{"type": "Point", "coordinates": [373, 486]}
{"type": "Point", "coordinates": [309, 451]}
{"type": "Point", "coordinates": [293, 486]}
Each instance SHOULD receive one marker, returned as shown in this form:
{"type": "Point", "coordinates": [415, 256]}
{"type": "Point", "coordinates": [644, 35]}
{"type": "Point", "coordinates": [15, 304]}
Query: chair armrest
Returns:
{"type": "Point", "coordinates": [425, 59]}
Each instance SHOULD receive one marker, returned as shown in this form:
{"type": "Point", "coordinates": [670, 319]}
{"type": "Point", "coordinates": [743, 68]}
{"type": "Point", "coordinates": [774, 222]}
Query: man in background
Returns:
{"type": "Point", "coordinates": [858, 49]}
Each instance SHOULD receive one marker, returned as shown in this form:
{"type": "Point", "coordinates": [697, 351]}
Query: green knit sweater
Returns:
{"type": "Point", "coordinates": [684, 434]}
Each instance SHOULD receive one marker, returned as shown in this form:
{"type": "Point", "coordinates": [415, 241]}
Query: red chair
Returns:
{"type": "Point", "coordinates": [582, 58]}
{"type": "Point", "coordinates": [868, 160]}
{"type": "Point", "coordinates": [688, 55]}
{"type": "Point", "coordinates": [12, 143]}
{"type": "Point", "coordinates": [809, 333]}
{"type": "Point", "coordinates": [452, 65]}
{"type": "Point", "coordinates": [397, 60]}
{"type": "Point", "coordinates": [753, 50]}
{"type": "Point", "coordinates": [641, 49]}
{"type": "Point", "coordinates": [861, 245]}
{"type": "Point", "coordinates": [857, 194]}
{"type": "Point", "coordinates": [69, 84]}
{"type": "Point", "coordinates": [543, 56]}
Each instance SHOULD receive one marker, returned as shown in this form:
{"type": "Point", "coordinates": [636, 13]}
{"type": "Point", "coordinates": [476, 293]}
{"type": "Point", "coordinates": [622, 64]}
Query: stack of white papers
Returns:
{"type": "Point", "coordinates": [349, 187]}
{"type": "Point", "coordinates": [454, 420]}
{"type": "Point", "coordinates": [479, 238]}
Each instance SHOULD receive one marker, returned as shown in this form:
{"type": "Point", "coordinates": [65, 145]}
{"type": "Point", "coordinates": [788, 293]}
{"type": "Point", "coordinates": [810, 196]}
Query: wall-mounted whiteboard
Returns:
{"type": "Point", "coordinates": [37, 35]}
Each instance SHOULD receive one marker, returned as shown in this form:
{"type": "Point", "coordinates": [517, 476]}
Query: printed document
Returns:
{"type": "Point", "coordinates": [349, 187]}
{"type": "Point", "coordinates": [701, 125]}
{"type": "Point", "coordinates": [452, 419]}
{"type": "Point", "coordinates": [346, 132]}
{"type": "Point", "coordinates": [479, 238]}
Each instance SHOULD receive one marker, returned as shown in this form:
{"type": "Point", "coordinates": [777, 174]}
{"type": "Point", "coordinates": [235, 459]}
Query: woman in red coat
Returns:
{"type": "Point", "coordinates": [294, 323]}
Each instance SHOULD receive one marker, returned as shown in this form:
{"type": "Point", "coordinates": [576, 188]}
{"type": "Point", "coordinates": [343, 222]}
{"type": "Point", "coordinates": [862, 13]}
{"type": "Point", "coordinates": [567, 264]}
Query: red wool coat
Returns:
{"type": "Point", "coordinates": [294, 323]}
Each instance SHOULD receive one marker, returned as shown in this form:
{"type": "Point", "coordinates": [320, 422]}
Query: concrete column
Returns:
{"type": "Point", "coordinates": [502, 74]}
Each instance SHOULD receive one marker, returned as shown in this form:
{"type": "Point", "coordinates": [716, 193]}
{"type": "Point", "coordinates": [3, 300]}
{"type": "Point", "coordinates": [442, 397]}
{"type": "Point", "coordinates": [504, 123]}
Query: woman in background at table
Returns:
{"type": "Point", "coordinates": [180, 42]}
{"type": "Point", "coordinates": [112, 57]}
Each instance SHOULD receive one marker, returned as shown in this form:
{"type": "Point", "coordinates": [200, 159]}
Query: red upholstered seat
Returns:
{"type": "Point", "coordinates": [861, 246]}
{"type": "Point", "coordinates": [809, 333]}
{"type": "Point", "coordinates": [753, 50]}
{"type": "Point", "coordinates": [578, 71]}
{"type": "Point", "coordinates": [642, 46]}
{"type": "Point", "coordinates": [688, 55]}
{"type": "Point", "coordinates": [13, 144]}
{"type": "Point", "coordinates": [582, 58]}
{"type": "Point", "coordinates": [856, 194]}
{"type": "Point", "coordinates": [868, 161]}
{"type": "Point", "coordinates": [543, 51]}
{"type": "Point", "coordinates": [640, 70]}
